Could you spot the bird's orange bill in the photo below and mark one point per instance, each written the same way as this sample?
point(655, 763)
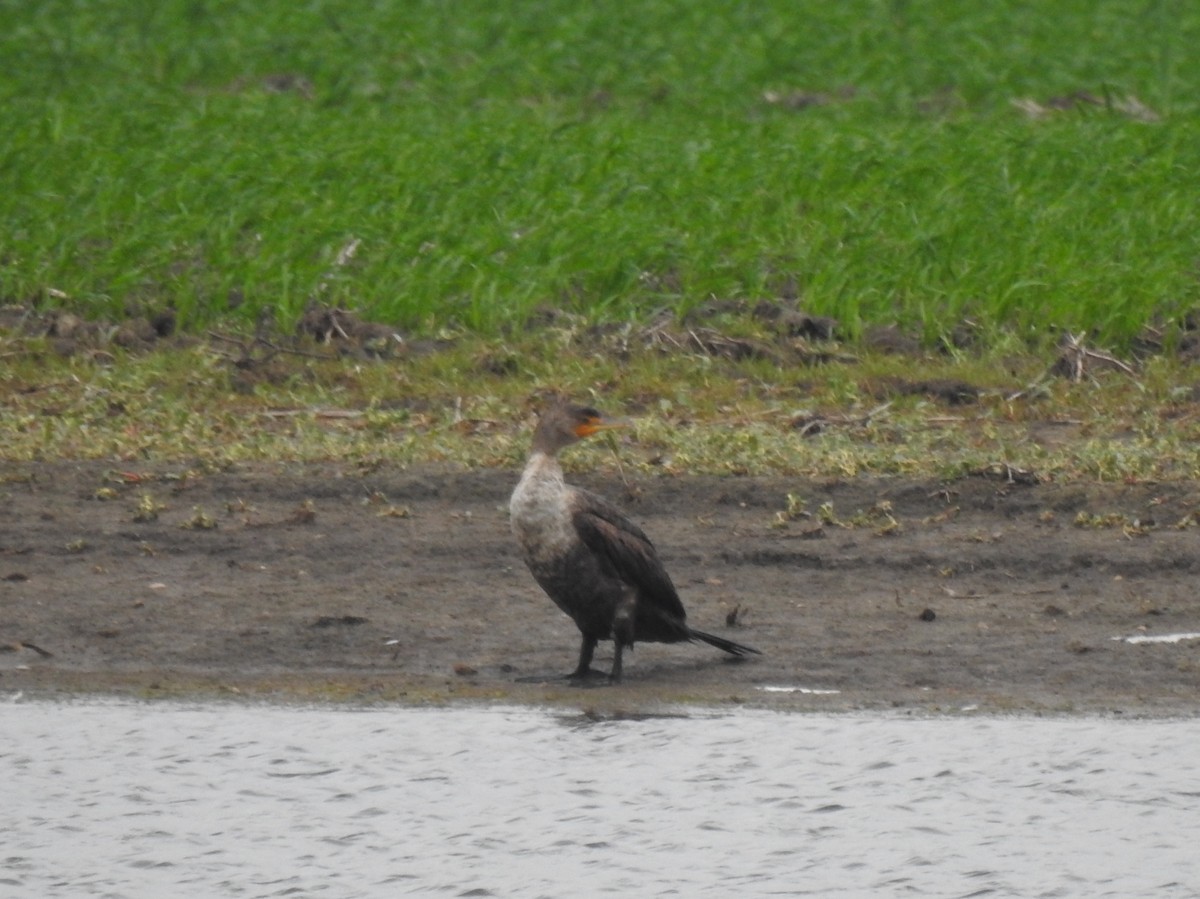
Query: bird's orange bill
point(592, 425)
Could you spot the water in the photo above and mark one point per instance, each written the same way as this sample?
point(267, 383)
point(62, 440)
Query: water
point(127, 800)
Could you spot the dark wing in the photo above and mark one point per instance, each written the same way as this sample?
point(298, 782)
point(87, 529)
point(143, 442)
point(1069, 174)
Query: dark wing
point(627, 551)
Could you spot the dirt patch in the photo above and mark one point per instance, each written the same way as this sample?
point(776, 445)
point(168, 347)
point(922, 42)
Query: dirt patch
point(318, 582)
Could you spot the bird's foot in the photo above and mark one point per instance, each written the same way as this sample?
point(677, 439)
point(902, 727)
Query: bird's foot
point(589, 677)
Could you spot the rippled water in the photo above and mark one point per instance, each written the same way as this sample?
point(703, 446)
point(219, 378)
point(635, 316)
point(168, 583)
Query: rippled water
point(129, 800)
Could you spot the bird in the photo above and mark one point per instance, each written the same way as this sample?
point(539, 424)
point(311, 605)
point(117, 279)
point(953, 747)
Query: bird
point(594, 563)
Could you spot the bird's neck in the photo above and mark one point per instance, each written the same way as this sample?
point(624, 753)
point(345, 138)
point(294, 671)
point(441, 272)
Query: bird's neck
point(538, 505)
point(543, 468)
point(541, 485)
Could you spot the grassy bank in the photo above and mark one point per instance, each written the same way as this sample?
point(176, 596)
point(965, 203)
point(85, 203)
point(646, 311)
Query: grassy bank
point(207, 405)
point(1027, 165)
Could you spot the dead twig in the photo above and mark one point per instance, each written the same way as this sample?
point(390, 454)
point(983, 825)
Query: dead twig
point(1010, 474)
point(336, 414)
point(1076, 358)
point(1075, 361)
point(247, 358)
point(807, 425)
point(25, 644)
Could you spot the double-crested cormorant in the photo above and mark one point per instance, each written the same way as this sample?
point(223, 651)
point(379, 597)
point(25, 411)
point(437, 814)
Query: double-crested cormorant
point(596, 564)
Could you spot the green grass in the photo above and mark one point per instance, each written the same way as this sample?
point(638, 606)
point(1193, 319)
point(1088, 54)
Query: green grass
point(607, 159)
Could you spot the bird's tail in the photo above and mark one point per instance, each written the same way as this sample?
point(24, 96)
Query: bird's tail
point(729, 646)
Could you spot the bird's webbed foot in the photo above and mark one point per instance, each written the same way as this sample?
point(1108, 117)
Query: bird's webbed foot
point(587, 678)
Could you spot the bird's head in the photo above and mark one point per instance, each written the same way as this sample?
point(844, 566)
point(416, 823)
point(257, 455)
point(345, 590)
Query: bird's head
point(568, 423)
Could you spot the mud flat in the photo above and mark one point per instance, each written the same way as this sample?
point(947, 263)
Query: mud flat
point(320, 582)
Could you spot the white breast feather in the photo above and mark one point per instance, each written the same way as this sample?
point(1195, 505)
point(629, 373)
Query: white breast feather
point(539, 510)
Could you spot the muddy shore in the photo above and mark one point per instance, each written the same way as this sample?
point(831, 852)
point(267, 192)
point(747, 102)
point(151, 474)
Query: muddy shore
point(322, 583)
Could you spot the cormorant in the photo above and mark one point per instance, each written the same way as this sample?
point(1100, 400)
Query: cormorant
point(596, 564)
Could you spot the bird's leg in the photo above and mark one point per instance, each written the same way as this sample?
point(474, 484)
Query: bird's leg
point(615, 676)
point(622, 634)
point(584, 668)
